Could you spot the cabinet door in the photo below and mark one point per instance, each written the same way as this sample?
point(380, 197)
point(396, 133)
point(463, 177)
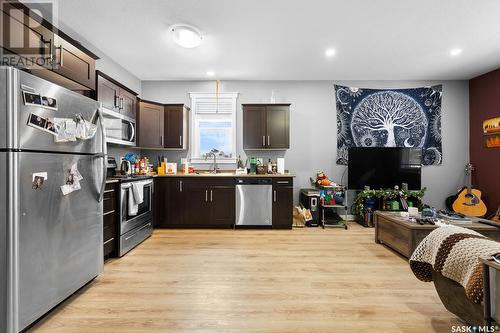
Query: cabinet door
point(128, 103)
point(198, 200)
point(254, 127)
point(175, 206)
point(108, 94)
point(277, 127)
point(23, 35)
point(150, 125)
point(222, 206)
point(174, 127)
point(282, 207)
point(160, 201)
point(73, 63)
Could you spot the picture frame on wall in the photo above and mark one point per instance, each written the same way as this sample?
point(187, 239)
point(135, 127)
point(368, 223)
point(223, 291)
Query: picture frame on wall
point(491, 133)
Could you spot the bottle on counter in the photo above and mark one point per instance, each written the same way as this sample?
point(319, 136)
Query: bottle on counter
point(269, 167)
point(274, 167)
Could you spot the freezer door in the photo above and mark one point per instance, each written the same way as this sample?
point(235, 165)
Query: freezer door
point(60, 240)
point(3, 108)
point(69, 103)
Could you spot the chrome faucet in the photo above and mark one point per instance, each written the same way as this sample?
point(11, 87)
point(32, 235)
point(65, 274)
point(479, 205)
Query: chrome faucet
point(213, 152)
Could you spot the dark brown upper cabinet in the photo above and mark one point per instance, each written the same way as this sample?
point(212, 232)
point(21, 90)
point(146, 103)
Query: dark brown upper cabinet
point(176, 126)
point(116, 97)
point(57, 57)
point(73, 63)
point(266, 126)
point(23, 34)
point(151, 125)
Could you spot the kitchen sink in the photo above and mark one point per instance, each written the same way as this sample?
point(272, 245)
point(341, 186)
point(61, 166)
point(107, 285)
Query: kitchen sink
point(219, 173)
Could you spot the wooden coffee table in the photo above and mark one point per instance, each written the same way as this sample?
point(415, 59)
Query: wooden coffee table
point(403, 236)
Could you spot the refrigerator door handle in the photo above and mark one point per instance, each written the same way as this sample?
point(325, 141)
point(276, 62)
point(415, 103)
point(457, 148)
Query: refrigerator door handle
point(104, 153)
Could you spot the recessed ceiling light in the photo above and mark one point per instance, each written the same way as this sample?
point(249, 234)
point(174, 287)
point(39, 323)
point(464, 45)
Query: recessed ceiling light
point(186, 36)
point(210, 73)
point(330, 53)
point(455, 52)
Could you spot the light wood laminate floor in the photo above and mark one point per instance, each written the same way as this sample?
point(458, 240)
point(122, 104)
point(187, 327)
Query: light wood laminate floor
point(301, 280)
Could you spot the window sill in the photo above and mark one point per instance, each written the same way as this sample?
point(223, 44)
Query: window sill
point(211, 161)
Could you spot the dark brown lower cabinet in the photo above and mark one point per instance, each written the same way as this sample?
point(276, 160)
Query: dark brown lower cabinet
point(109, 221)
point(197, 210)
point(222, 206)
point(282, 203)
point(182, 202)
point(194, 203)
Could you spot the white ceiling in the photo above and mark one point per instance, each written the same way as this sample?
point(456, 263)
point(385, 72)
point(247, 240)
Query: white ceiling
point(287, 39)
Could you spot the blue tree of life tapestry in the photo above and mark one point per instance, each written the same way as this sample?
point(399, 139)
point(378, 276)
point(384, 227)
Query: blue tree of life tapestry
point(390, 118)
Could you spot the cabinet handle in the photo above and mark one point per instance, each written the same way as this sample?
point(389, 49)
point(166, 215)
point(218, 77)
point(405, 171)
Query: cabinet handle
point(180, 140)
point(117, 101)
point(180, 185)
point(268, 140)
point(274, 195)
point(61, 56)
point(263, 141)
point(282, 182)
point(211, 196)
point(121, 103)
point(161, 140)
point(206, 195)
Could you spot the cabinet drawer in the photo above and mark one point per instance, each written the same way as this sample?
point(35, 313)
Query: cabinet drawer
point(109, 247)
point(108, 232)
point(109, 219)
point(283, 181)
point(108, 203)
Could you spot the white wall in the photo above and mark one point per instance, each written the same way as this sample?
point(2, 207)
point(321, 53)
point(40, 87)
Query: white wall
point(313, 128)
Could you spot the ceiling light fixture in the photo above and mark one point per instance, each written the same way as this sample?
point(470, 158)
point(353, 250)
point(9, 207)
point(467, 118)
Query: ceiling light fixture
point(330, 52)
point(455, 52)
point(210, 73)
point(186, 36)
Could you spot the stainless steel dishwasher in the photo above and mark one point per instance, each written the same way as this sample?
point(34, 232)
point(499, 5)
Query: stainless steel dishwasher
point(254, 202)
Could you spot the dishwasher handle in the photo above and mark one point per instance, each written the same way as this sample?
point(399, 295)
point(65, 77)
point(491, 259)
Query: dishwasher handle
point(253, 181)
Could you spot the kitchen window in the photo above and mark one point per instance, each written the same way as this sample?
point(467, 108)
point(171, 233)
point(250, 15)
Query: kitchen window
point(213, 126)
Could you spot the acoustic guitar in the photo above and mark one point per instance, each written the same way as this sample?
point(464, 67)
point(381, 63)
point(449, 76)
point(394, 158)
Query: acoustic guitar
point(468, 200)
point(496, 216)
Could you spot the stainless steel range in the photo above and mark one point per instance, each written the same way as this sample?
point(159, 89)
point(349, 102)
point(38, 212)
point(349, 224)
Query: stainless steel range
point(136, 223)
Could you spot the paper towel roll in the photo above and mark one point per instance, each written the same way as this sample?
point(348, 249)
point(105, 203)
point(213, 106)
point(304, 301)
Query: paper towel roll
point(280, 163)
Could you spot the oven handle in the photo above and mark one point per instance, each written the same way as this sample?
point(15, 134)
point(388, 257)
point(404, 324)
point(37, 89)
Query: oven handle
point(129, 185)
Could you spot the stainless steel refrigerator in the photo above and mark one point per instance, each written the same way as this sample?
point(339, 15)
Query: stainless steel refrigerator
point(50, 242)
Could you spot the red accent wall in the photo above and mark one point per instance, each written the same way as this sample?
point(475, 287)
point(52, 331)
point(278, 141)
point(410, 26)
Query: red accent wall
point(484, 102)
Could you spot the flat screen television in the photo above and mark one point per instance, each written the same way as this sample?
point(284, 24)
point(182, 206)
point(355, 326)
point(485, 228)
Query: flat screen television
point(384, 168)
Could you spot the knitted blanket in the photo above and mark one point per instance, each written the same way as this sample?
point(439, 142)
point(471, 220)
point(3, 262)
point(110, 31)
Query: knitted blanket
point(454, 252)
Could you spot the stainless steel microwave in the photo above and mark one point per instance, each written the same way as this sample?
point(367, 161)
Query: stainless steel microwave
point(120, 129)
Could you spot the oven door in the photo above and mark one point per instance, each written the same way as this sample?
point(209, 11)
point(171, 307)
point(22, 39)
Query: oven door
point(145, 209)
point(120, 129)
